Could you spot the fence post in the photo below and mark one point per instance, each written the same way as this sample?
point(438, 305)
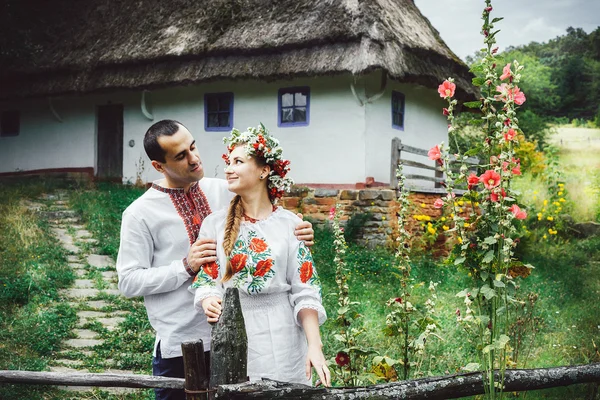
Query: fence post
point(229, 346)
point(396, 143)
point(194, 367)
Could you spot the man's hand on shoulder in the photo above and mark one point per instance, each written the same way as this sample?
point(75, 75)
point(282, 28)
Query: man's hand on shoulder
point(203, 251)
point(304, 232)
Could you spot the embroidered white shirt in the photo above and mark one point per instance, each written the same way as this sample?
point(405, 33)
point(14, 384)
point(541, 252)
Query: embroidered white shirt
point(156, 233)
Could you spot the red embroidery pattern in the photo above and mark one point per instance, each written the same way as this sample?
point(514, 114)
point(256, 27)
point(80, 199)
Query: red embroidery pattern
point(192, 207)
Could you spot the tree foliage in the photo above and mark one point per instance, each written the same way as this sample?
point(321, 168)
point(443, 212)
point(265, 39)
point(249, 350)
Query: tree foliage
point(561, 78)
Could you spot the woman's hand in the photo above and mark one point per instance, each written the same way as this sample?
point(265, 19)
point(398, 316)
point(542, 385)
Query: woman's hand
point(316, 359)
point(212, 308)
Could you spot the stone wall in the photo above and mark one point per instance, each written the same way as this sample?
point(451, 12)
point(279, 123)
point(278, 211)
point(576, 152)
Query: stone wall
point(380, 229)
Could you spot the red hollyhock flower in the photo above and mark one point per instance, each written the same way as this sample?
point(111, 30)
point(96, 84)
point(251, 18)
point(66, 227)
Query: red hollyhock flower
point(490, 179)
point(342, 359)
point(445, 111)
point(263, 267)
point(494, 197)
point(510, 135)
point(238, 262)
point(258, 245)
point(211, 269)
point(472, 180)
point(306, 271)
point(446, 89)
point(517, 212)
point(398, 300)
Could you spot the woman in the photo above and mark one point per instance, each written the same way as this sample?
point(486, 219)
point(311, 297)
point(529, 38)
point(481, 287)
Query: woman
point(258, 253)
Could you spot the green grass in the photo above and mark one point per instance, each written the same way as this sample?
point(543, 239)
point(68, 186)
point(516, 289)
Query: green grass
point(101, 210)
point(33, 267)
point(579, 149)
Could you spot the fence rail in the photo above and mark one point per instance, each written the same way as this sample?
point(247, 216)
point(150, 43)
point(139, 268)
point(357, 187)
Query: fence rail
point(398, 148)
point(441, 387)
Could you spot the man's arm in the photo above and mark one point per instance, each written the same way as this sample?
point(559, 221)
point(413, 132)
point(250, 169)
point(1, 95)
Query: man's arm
point(136, 277)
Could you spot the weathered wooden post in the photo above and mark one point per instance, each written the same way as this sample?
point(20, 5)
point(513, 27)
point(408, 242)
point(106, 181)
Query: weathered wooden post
point(194, 367)
point(229, 347)
point(396, 149)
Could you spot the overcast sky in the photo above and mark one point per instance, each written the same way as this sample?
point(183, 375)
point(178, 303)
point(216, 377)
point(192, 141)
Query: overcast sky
point(459, 21)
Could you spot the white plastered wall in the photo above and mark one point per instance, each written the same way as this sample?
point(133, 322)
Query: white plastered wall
point(343, 143)
point(424, 127)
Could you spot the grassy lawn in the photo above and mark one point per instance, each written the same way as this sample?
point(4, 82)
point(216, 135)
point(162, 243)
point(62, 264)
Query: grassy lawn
point(579, 149)
point(33, 267)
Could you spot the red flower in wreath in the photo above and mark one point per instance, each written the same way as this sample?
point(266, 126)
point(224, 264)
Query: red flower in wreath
point(258, 245)
point(238, 262)
point(211, 269)
point(306, 271)
point(342, 359)
point(263, 267)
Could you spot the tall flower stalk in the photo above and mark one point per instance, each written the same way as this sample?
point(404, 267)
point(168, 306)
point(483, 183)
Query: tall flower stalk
point(349, 365)
point(487, 234)
point(412, 326)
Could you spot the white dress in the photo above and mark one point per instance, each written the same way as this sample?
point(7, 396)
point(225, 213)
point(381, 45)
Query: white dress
point(276, 278)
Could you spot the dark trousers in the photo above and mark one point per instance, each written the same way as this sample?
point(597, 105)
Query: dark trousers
point(172, 367)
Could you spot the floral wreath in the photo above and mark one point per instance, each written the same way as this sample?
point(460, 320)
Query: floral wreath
point(259, 143)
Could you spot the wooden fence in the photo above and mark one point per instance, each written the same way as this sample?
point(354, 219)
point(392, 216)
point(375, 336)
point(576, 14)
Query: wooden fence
point(398, 151)
point(228, 374)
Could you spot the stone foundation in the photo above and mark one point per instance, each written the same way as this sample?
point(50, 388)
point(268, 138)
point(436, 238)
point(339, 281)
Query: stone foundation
point(380, 228)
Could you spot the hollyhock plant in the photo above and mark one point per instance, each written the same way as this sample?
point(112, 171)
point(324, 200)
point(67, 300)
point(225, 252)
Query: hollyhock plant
point(486, 251)
point(349, 365)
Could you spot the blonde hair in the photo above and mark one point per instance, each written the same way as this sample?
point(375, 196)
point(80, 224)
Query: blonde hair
point(232, 229)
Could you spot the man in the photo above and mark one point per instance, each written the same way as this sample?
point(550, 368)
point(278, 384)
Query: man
point(159, 255)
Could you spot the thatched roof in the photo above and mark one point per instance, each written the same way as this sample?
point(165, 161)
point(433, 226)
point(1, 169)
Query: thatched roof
point(72, 47)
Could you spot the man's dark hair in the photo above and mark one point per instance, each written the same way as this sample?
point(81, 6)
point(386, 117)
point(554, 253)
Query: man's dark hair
point(166, 127)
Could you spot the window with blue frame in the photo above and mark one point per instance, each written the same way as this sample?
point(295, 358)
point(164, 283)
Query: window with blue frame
point(294, 106)
point(10, 123)
point(218, 111)
point(397, 110)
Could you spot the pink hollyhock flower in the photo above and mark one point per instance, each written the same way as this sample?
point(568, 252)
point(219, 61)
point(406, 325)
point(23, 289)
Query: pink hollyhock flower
point(332, 213)
point(490, 179)
point(439, 203)
point(518, 96)
point(517, 212)
point(494, 196)
point(445, 111)
point(472, 181)
point(506, 72)
point(446, 89)
point(488, 9)
point(434, 153)
point(510, 135)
